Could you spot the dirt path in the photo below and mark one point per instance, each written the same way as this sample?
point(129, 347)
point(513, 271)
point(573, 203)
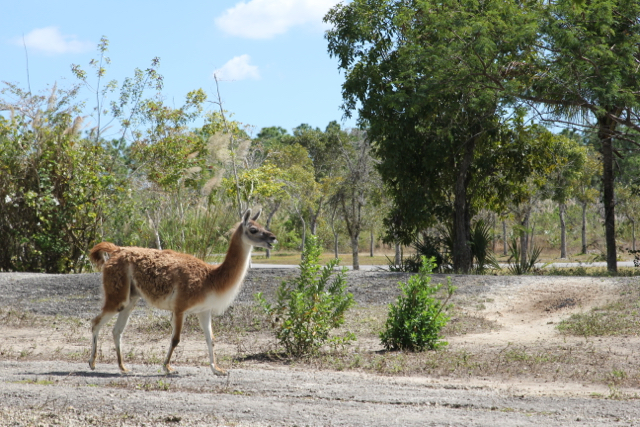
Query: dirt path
point(40, 387)
point(268, 396)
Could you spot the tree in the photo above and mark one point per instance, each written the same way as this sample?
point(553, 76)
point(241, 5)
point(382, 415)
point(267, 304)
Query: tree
point(298, 184)
point(585, 188)
point(54, 188)
point(629, 205)
point(569, 158)
point(264, 185)
point(359, 182)
point(430, 80)
point(166, 149)
point(323, 149)
point(587, 73)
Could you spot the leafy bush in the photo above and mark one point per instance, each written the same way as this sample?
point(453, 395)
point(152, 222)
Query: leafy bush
point(520, 264)
point(416, 319)
point(440, 248)
point(54, 190)
point(426, 246)
point(481, 237)
point(309, 307)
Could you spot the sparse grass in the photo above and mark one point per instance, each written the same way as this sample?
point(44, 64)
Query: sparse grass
point(36, 382)
point(576, 362)
point(621, 317)
point(566, 363)
point(17, 317)
point(237, 319)
point(584, 271)
point(462, 323)
point(244, 326)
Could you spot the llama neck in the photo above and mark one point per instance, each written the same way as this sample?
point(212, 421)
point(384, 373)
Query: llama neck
point(236, 262)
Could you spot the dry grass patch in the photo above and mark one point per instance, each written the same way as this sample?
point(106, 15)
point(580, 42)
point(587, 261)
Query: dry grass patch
point(619, 318)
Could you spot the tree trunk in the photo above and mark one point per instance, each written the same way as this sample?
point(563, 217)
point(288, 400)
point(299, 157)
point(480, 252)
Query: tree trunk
point(398, 255)
point(371, 244)
point(633, 235)
point(584, 228)
point(532, 237)
point(462, 257)
point(524, 236)
point(304, 233)
point(313, 226)
point(494, 237)
point(332, 222)
point(563, 231)
point(156, 231)
point(504, 238)
point(354, 249)
point(605, 135)
point(353, 221)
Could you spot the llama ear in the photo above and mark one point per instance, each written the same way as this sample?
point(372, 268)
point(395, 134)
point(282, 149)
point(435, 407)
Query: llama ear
point(245, 216)
point(256, 216)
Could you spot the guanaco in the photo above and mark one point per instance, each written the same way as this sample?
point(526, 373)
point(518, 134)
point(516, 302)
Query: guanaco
point(173, 281)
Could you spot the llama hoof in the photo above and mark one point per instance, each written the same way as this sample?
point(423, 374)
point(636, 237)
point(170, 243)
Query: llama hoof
point(92, 365)
point(169, 370)
point(218, 371)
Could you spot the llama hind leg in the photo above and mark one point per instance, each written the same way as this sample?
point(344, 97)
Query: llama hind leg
point(97, 323)
point(177, 320)
point(205, 324)
point(118, 328)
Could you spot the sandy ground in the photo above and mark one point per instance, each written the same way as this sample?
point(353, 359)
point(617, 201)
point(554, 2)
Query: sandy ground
point(39, 388)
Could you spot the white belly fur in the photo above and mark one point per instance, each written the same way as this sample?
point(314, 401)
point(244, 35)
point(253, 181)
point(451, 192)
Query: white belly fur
point(214, 301)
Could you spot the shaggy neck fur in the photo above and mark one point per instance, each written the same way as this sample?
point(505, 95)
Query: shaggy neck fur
point(231, 272)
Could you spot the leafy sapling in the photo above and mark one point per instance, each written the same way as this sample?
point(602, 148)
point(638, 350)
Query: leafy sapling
point(308, 307)
point(416, 319)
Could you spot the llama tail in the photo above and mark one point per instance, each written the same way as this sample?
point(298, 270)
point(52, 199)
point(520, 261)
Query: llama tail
point(101, 253)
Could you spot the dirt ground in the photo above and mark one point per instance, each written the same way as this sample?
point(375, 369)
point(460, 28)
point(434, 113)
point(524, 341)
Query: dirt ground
point(524, 372)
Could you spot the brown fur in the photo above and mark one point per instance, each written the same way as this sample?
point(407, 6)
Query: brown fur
point(172, 280)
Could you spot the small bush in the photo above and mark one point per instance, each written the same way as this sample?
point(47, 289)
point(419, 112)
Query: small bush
point(416, 319)
point(309, 307)
point(520, 264)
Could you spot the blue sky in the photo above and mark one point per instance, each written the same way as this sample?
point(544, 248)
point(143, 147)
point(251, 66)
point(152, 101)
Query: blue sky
point(270, 55)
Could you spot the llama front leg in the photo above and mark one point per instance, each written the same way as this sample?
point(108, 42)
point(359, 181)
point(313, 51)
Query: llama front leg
point(205, 324)
point(177, 320)
point(118, 328)
point(97, 323)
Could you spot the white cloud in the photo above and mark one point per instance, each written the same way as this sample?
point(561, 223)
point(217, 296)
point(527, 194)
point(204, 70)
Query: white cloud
point(238, 68)
point(263, 19)
point(49, 40)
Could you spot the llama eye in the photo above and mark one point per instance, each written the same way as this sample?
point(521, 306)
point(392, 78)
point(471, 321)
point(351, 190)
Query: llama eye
point(253, 230)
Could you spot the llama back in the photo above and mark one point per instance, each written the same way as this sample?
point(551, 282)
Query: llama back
point(155, 273)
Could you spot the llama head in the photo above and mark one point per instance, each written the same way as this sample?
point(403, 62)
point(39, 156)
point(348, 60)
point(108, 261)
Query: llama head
point(253, 233)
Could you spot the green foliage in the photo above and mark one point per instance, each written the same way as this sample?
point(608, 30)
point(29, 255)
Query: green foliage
point(433, 87)
point(416, 319)
point(427, 246)
point(438, 247)
point(588, 73)
point(310, 306)
point(168, 153)
point(54, 190)
point(481, 239)
point(262, 182)
point(517, 263)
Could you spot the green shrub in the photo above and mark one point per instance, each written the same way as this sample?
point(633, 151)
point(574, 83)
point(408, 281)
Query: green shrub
point(522, 265)
point(308, 307)
point(416, 319)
